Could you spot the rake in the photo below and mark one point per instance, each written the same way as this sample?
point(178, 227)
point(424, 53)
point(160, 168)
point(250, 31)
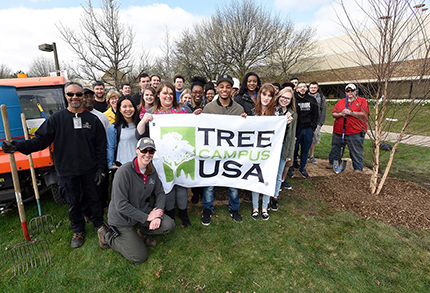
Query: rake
point(31, 253)
point(43, 223)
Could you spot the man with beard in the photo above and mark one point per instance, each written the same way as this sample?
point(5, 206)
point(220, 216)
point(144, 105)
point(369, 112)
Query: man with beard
point(79, 155)
point(307, 121)
point(99, 96)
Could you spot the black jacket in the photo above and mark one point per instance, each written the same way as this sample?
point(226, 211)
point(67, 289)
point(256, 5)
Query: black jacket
point(76, 151)
point(307, 112)
point(246, 102)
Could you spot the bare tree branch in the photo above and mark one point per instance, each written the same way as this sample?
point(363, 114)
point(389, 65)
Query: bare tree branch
point(241, 37)
point(392, 41)
point(41, 66)
point(103, 44)
point(5, 71)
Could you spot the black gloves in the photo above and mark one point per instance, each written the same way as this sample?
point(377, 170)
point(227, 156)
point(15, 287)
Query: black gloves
point(9, 146)
point(100, 177)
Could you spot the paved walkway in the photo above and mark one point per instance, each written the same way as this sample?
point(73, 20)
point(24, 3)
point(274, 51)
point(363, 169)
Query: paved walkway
point(418, 140)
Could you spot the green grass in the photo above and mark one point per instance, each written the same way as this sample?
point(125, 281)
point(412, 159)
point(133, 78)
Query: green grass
point(305, 246)
point(419, 125)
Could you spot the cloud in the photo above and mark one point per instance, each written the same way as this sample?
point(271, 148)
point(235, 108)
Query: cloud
point(294, 5)
point(28, 28)
point(39, 1)
point(330, 19)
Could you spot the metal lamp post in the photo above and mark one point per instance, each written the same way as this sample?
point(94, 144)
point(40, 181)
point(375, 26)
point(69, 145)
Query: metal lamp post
point(51, 48)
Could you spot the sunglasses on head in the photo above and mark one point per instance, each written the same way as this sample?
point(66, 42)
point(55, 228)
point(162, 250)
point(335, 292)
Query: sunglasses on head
point(70, 95)
point(150, 151)
point(349, 91)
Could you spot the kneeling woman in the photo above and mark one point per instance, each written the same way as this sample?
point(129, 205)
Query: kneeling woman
point(137, 200)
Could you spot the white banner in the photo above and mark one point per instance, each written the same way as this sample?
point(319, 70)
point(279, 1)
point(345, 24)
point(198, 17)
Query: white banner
point(218, 150)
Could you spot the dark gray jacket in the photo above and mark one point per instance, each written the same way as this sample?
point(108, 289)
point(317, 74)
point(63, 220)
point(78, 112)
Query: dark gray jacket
point(132, 200)
point(322, 107)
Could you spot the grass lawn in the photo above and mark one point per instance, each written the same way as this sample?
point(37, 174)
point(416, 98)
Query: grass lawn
point(419, 124)
point(305, 247)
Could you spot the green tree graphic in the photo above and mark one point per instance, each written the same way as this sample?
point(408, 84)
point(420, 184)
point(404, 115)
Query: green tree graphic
point(178, 151)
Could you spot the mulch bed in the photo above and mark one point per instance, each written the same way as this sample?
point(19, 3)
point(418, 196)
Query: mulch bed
point(400, 202)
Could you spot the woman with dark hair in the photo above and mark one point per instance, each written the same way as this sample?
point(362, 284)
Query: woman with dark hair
point(164, 104)
point(167, 104)
point(196, 105)
point(197, 88)
point(277, 87)
point(249, 88)
point(148, 97)
point(209, 94)
point(264, 106)
point(121, 139)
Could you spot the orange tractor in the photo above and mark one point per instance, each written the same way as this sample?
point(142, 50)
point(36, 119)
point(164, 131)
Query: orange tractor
point(39, 98)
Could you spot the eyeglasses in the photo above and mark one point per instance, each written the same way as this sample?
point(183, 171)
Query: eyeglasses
point(150, 151)
point(349, 91)
point(301, 86)
point(70, 95)
point(285, 98)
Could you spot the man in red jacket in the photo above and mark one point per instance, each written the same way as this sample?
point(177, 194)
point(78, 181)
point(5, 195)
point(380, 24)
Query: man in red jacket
point(355, 110)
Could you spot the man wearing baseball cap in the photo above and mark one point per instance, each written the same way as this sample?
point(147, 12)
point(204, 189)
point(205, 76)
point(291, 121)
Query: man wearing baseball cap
point(137, 200)
point(353, 110)
point(224, 105)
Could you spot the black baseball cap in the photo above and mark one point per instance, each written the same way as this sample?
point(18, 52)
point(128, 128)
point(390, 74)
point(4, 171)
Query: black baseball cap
point(87, 90)
point(225, 77)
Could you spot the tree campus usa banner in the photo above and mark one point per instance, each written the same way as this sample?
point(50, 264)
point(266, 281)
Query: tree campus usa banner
point(218, 150)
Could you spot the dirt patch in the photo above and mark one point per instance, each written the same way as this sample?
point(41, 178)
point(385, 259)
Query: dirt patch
point(400, 202)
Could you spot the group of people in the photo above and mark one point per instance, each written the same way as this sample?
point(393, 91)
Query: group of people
point(101, 133)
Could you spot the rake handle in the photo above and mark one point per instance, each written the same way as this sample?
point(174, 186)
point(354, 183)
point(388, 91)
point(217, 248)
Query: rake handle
point(32, 171)
point(15, 177)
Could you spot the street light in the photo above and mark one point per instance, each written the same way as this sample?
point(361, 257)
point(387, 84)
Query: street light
point(50, 48)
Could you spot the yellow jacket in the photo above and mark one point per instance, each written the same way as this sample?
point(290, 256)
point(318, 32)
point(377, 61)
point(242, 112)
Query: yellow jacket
point(110, 114)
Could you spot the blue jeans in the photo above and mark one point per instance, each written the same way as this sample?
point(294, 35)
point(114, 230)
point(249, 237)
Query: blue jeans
point(355, 146)
point(279, 177)
point(233, 199)
point(304, 140)
point(255, 200)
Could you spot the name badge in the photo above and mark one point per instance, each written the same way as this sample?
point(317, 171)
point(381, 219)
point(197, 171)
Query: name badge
point(77, 122)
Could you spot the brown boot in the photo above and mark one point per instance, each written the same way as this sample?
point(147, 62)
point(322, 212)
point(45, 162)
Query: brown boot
point(101, 232)
point(147, 239)
point(77, 240)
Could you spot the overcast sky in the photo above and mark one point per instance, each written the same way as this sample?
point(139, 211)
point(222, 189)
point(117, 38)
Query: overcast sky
point(27, 24)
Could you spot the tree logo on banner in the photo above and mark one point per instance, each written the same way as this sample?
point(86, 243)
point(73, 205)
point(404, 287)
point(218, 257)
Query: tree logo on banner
point(178, 145)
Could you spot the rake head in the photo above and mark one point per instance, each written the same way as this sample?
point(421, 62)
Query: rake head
point(30, 255)
point(43, 223)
